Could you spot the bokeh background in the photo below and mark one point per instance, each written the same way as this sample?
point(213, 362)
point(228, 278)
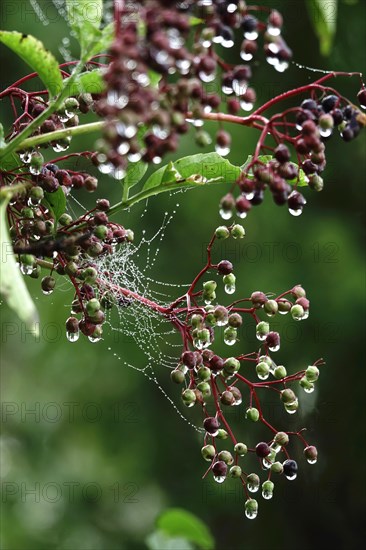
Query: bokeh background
point(91, 450)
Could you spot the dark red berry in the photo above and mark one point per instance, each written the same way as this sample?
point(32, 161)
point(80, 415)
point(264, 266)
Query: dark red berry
point(262, 450)
point(225, 267)
point(211, 424)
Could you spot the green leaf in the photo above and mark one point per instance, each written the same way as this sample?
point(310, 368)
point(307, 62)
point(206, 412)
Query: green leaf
point(323, 14)
point(12, 285)
point(91, 82)
point(33, 52)
point(135, 171)
point(103, 39)
point(201, 169)
point(177, 522)
point(56, 202)
point(154, 78)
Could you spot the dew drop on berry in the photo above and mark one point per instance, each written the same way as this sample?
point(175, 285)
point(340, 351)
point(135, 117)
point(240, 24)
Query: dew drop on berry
point(72, 336)
point(281, 66)
point(227, 90)
point(134, 157)
point(325, 132)
point(47, 292)
point(226, 214)
point(274, 348)
point(118, 173)
point(246, 56)
point(246, 106)
point(26, 269)
point(273, 31)
point(242, 215)
point(222, 151)
point(25, 157)
point(251, 514)
point(267, 495)
point(296, 212)
point(251, 35)
point(229, 289)
point(106, 168)
point(219, 479)
point(252, 487)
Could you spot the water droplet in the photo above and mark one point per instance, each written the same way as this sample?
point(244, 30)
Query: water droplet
point(281, 66)
point(157, 160)
point(106, 168)
point(183, 65)
point(223, 151)
point(226, 214)
point(267, 495)
point(227, 90)
point(229, 289)
point(47, 292)
point(64, 117)
point(94, 339)
point(273, 31)
point(263, 376)
point(246, 56)
point(206, 77)
point(26, 269)
point(251, 35)
point(266, 463)
point(246, 106)
point(239, 87)
point(309, 389)
point(134, 157)
point(274, 348)
point(72, 336)
point(227, 43)
point(160, 132)
point(251, 514)
point(219, 479)
point(123, 148)
point(33, 203)
point(325, 133)
point(312, 460)
point(119, 173)
point(291, 477)
point(253, 488)
point(242, 215)
point(35, 170)
point(60, 147)
point(296, 212)
point(25, 157)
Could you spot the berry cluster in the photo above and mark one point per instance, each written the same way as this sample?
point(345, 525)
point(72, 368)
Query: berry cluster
point(216, 382)
point(299, 133)
point(155, 82)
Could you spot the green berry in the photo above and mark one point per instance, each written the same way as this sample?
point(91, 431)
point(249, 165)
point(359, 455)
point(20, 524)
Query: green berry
point(177, 376)
point(241, 449)
point(65, 219)
point(209, 286)
point(262, 370)
point(271, 307)
point(237, 231)
point(312, 373)
point(189, 398)
point(235, 471)
point(297, 312)
point(281, 438)
point(280, 372)
point(208, 452)
point(277, 467)
point(231, 365)
point(204, 373)
point(252, 414)
point(226, 457)
point(222, 434)
point(288, 396)
point(222, 232)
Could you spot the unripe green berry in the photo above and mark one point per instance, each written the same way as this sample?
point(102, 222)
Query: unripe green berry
point(205, 388)
point(235, 320)
point(101, 232)
point(27, 213)
point(284, 307)
point(27, 259)
point(277, 467)
point(48, 284)
point(316, 182)
point(262, 370)
point(230, 335)
point(203, 138)
point(209, 286)
point(229, 279)
point(71, 269)
point(36, 161)
point(253, 481)
point(227, 398)
point(177, 376)
point(196, 320)
point(312, 373)
point(65, 219)
point(36, 193)
point(235, 471)
point(297, 312)
point(298, 292)
point(280, 372)
point(222, 232)
point(237, 231)
point(208, 452)
point(231, 365)
point(226, 457)
point(241, 449)
point(281, 438)
point(252, 414)
point(262, 329)
point(271, 307)
point(288, 396)
point(251, 508)
point(189, 398)
point(204, 373)
point(90, 275)
point(92, 306)
point(306, 384)
point(292, 407)
point(222, 434)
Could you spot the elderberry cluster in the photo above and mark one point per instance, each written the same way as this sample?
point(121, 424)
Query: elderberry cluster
point(216, 383)
point(155, 83)
point(315, 121)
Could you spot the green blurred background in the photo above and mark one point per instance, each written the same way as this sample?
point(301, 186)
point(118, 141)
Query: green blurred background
point(103, 450)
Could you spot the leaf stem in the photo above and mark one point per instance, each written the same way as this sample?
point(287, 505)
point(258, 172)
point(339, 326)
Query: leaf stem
point(60, 134)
